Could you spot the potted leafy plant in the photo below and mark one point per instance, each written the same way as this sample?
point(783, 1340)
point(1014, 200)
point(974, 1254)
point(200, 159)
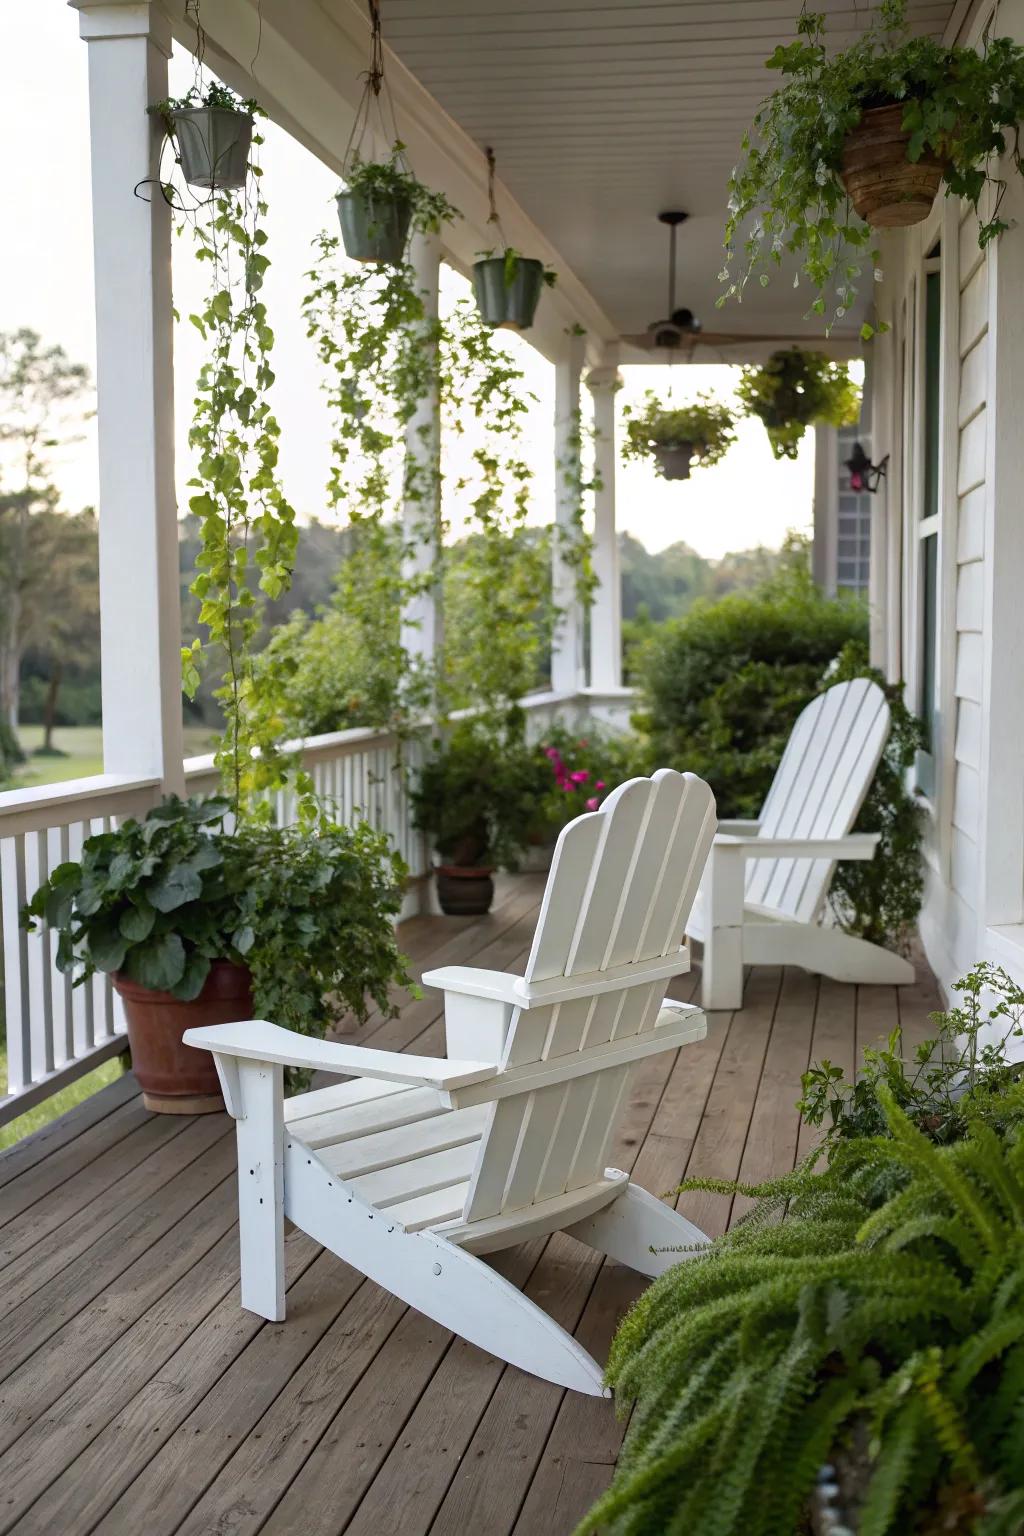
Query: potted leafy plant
point(794, 389)
point(212, 133)
point(861, 140)
point(200, 925)
point(675, 436)
point(508, 287)
point(476, 798)
point(381, 203)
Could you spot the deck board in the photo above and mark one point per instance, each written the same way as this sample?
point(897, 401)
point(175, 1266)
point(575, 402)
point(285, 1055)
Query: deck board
point(136, 1395)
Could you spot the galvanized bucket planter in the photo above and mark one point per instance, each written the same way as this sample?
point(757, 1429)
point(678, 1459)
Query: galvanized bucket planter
point(374, 228)
point(674, 460)
point(213, 146)
point(508, 303)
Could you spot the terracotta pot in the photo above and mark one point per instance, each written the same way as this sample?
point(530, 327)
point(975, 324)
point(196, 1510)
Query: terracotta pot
point(177, 1079)
point(888, 190)
point(464, 892)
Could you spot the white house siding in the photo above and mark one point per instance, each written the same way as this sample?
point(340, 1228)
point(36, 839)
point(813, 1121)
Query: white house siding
point(950, 919)
point(974, 888)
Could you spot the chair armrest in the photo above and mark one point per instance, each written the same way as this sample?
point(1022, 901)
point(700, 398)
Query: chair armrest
point(739, 828)
point(259, 1040)
point(855, 845)
point(469, 981)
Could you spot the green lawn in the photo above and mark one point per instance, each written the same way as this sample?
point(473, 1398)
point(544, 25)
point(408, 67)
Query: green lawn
point(60, 1102)
point(83, 745)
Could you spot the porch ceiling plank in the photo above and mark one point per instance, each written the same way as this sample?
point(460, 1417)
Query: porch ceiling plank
point(310, 56)
point(143, 1397)
point(602, 115)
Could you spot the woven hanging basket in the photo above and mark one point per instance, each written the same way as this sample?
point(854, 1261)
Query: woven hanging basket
point(888, 190)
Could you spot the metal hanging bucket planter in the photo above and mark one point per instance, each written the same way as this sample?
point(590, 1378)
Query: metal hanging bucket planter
point(507, 293)
point(213, 146)
point(674, 460)
point(374, 228)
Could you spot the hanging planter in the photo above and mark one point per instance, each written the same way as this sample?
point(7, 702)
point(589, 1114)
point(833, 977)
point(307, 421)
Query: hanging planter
point(375, 225)
point(212, 135)
point(676, 438)
point(862, 139)
point(507, 286)
point(508, 289)
point(795, 389)
point(888, 189)
point(381, 204)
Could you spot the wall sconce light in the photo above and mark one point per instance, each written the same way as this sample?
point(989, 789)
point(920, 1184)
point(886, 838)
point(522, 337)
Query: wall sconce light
point(864, 476)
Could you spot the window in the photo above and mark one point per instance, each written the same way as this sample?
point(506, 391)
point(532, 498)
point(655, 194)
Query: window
point(928, 517)
point(853, 546)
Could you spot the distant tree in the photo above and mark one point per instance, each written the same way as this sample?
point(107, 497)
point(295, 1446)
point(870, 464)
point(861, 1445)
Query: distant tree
point(61, 628)
point(41, 403)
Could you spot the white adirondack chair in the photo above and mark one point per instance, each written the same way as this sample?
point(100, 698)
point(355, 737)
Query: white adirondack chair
point(419, 1165)
point(766, 883)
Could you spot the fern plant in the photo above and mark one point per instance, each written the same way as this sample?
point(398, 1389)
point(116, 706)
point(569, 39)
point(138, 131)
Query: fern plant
point(886, 1311)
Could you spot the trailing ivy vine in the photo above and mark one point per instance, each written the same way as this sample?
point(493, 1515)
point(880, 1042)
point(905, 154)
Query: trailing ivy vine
point(247, 525)
point(383, 358)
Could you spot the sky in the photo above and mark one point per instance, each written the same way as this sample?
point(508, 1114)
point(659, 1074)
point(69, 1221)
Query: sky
point(46, 282)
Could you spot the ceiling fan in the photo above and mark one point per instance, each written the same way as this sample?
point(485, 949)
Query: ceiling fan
point(681, 331)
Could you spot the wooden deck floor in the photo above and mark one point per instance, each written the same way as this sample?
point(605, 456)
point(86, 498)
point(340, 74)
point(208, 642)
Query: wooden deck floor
point(136, 1396)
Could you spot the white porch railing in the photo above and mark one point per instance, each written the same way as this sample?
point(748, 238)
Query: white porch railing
point(55, 1032)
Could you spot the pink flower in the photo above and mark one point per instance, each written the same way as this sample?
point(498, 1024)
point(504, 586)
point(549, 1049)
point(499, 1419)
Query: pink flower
point(593, 803)
point(580, 776)
point(599, 784)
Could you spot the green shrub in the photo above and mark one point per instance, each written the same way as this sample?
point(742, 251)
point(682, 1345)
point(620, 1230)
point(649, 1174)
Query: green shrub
point(575, 770)
point(880, 1327)
point(961, 1076)
point(721, 688)
point(476, 795)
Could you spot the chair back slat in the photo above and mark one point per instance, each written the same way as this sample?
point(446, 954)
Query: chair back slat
point(818, 790)
point(621, 885)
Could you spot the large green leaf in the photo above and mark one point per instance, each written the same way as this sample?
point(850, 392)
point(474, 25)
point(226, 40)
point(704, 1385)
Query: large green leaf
point(159, 963)
point(137, 921)
point(197, 968)
point(180, 884)
point(107, 948)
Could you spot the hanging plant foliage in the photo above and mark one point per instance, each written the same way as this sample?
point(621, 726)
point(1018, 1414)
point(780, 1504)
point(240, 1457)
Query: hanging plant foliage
point(507, 285)
point(383, 358)
point(212, 132)
point(382, 203)
point(795, 389)
point(679, 437)
point(862, 140)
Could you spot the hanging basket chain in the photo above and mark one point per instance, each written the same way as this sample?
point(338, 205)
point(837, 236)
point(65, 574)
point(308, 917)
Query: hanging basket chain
point(376, 96)
point(493, 216)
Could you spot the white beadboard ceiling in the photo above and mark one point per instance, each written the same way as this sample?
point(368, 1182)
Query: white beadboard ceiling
point(602, 114)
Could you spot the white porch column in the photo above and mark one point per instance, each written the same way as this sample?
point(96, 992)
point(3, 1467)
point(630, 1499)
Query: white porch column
point(606, 611)
point(140, 624)
point(422, 616)
point(567, 648)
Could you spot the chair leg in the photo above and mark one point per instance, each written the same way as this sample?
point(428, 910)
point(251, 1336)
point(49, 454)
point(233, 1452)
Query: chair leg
point(423, 1269)
point(721, 985)
point(260, 1135)
point(641, 1231)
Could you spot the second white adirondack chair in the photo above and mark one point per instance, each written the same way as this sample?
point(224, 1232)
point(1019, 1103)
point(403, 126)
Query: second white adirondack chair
point(767, 881)
point(419, 1165)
